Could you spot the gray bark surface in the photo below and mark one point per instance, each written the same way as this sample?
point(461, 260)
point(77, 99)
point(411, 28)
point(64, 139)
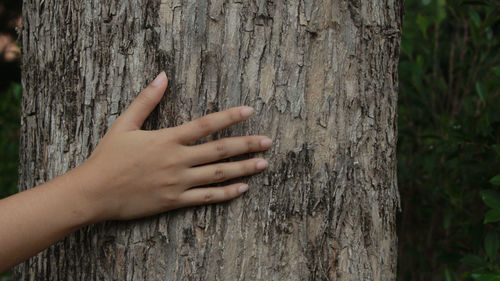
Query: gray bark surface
point(322, 77)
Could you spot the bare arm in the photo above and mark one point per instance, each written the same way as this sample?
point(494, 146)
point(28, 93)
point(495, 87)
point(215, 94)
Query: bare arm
point(132, 173)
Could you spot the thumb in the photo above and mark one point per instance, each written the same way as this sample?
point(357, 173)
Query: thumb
point(144, 103)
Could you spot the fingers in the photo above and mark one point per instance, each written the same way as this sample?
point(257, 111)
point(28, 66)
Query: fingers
point(144, 103)
point(211, 123)
point(224, 171)
point(208, 195)
point(227, 147)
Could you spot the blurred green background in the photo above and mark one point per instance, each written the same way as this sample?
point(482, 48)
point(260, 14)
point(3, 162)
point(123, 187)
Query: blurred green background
point(449, 141)
point(449, 138)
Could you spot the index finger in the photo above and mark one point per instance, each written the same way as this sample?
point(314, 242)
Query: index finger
point(211, 123)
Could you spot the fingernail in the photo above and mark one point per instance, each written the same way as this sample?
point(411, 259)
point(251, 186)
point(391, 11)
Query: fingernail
point(265, 143)
point(261, 165)
point(246, 111)
point(159, 79)
point(243, 188)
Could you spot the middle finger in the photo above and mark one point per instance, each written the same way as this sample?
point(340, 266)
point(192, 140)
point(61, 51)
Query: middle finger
point(226, 147)
point(220, 172)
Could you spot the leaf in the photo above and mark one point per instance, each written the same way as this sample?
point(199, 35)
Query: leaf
point(475, 18)
point(491, 244)
point(480, 91)
point(495, 180)
point(492, 215)
point(491, 198)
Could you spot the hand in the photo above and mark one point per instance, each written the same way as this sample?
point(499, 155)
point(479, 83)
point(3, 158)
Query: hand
point(134, 173)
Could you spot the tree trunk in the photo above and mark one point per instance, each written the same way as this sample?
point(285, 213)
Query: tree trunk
point(322, 77)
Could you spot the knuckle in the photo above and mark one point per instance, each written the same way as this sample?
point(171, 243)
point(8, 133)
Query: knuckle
point(221, 149)
point(250, 144)
point(167, 136)
point(203, 124)
point(171, 181)
point(219, 174)
point(144, 99)
point(176, 159)
point(168, 164)
point(169, 198)
point(208, 197)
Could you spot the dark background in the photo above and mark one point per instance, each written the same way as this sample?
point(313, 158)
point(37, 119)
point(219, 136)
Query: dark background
point(449, 137)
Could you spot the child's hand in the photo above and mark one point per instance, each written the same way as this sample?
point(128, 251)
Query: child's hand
point(135, 173)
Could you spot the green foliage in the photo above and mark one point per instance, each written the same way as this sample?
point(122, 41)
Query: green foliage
point(495, 180)
point(449, 141)
point(492, 199)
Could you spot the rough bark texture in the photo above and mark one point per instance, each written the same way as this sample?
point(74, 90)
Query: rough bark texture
point(322, 76)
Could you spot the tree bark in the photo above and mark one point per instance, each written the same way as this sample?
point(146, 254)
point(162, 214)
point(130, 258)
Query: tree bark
point(322, 77)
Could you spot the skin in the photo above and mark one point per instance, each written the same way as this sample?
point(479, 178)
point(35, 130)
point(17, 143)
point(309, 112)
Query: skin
point(131, 174)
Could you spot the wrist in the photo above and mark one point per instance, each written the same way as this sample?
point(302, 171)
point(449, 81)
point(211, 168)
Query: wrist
point(82, 186)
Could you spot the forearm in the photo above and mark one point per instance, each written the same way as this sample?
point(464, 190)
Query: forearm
point(37, 218)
